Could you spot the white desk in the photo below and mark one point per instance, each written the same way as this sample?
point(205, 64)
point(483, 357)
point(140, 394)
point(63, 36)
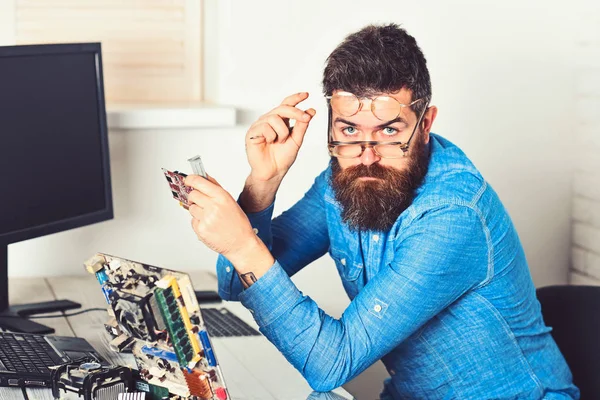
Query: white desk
point(84, 289)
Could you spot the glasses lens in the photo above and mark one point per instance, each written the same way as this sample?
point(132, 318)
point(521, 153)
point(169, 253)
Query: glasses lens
point(386, 108)
point(389, 150)
point(346, 150)
point(345, 104)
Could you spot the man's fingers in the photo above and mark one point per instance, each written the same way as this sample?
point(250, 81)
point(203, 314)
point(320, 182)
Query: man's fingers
point(206, 187)
point(196, 212)
point(294, 99)
point(288, 112)
point(300, 128)
point(280, 127)
point(274, 126)
point(199, 198)
point(263, 130)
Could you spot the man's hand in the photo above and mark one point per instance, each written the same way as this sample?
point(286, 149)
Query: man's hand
point(220, 223)
point(271, 146)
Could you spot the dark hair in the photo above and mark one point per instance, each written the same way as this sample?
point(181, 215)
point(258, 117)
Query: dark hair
point(378, 59)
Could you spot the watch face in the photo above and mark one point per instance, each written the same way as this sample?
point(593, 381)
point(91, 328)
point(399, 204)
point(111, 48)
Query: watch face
point(247, 279)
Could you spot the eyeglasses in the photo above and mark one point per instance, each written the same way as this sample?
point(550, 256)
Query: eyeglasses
point(385, 108)
point(383, 149)
point(355, 149)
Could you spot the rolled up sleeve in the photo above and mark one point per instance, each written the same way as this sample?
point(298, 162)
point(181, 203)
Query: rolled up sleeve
point(271, 296)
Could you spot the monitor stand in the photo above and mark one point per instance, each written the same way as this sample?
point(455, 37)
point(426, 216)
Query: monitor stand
point(14, 318)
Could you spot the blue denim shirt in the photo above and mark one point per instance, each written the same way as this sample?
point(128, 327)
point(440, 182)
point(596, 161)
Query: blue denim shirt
point(445, 298)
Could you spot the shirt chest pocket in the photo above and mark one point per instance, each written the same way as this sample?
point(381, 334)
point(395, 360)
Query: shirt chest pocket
point(348, 266)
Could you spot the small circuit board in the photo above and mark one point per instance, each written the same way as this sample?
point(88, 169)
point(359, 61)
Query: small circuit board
point(155, 315)
point(179, 190)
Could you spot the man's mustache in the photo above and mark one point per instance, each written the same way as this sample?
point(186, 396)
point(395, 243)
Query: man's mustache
point(368, 171)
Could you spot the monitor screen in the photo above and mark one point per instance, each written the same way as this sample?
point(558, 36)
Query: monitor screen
point(54, 171)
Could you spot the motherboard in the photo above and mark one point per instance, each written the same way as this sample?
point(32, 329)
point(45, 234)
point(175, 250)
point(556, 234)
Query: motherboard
point(155, 315)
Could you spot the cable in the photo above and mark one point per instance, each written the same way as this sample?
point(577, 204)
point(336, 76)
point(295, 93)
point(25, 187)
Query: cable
point(67, 315)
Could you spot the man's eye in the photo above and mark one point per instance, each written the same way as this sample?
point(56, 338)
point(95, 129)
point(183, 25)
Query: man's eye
point(389, 131)
point(349, 130)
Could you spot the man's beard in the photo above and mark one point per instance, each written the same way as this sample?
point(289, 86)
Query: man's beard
point(376, 204)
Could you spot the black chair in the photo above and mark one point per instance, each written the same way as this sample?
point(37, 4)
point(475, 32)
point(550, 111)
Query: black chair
point(573, 312)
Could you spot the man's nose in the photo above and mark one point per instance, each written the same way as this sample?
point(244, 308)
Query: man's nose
point(369, 157)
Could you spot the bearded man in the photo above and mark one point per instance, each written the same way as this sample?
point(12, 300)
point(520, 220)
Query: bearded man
point(439, 284)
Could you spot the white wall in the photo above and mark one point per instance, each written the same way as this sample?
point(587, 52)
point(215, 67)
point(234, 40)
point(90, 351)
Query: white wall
point(503, 79)
point(586, 182)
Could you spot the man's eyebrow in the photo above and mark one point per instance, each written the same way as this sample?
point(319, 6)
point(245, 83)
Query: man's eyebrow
point(381, 126)
point(397, 119)
point(344, 121)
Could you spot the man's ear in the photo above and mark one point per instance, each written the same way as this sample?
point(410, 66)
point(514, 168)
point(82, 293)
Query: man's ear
point(427, 122)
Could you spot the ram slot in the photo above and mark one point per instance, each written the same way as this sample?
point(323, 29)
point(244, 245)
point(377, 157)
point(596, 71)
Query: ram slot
point(177, 320)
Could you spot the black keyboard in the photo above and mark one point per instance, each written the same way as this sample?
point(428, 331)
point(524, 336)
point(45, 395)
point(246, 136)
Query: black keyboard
point(220, 322)
point(26, 353)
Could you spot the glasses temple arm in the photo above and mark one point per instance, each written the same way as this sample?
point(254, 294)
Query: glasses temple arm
point(405, 148)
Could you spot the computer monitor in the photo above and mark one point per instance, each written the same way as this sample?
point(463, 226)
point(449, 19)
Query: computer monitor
point(54, 161)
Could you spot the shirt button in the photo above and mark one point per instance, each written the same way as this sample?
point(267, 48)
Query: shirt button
point(343, 261)
point(392, 372)
point(255, 230)
point(377, 308)
point(228, 269)
point(376, 238)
